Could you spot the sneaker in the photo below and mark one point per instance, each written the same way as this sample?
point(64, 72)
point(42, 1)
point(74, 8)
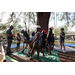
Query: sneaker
point(64, 51)
point(23, 51)
point(31, 58)
point(43, 55)
point(18, 50)
point(4, 60)
point(59, 49)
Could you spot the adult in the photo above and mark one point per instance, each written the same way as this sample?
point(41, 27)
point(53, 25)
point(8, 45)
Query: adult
point(62, 39)
point(49, 39)
point(9, 39)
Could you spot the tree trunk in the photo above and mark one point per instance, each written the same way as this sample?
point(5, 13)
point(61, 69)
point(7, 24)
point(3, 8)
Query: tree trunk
point(43, 19)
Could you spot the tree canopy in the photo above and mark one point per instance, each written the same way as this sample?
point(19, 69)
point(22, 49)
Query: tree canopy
point(15, 18)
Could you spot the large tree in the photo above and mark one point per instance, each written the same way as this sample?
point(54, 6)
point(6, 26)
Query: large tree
point(43, 19)
point(40, 18)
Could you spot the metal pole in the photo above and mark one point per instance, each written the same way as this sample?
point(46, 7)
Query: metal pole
point(56, 19)
point(54, 23)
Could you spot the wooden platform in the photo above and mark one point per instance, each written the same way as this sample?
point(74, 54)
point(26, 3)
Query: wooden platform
point(68, 49)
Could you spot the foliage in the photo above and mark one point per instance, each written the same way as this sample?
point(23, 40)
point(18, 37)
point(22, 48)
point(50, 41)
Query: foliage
point(67, 17)
point(57, 31)
point(16, 18)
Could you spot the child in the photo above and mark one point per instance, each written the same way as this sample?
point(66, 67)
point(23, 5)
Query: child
point(62, 38)
point(18, 41)
point(35, 43)
point(31, 40)
point(49, 38)
point(26, 38)
point(43, 42)
point(53, 41)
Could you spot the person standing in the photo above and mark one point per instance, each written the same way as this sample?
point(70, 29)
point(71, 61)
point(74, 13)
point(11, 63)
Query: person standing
point(53, 40)
point(43, 42)
point(62, 39)
point(31, 40)
point(9, 39)
point(36, 43)
point(49, 39)
point(18, 41)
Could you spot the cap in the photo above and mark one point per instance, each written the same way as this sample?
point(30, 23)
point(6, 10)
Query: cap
point(38, 26)
point(45, 31)
point(52, 28)
point(21, 31)
point(12, 26)
point(17, 32)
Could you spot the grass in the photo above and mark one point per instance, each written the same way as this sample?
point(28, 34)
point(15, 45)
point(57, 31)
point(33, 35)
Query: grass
point(66, 41)
point(56, 42)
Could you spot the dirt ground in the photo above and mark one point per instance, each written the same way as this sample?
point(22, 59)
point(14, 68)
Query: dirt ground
point(64, 57)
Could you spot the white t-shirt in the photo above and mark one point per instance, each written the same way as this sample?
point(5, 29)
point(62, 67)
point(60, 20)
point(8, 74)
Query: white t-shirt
point(32, 38)
point(36, 37)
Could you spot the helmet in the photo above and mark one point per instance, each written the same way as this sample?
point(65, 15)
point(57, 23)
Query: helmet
point(21, 31)
point(52, 28)
point(33, 33)
point(44, 31)
point(38, 27)
point(12, 26)
point(17, 32)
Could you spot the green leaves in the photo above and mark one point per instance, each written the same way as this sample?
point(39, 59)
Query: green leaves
point(2, 27)
point(16, 18)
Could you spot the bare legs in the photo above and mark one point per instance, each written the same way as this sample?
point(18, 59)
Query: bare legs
point(49, 48)
point(25, 47)
point(62, 44)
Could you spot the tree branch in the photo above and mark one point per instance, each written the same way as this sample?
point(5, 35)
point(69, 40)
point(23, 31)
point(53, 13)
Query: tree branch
point(19, 16)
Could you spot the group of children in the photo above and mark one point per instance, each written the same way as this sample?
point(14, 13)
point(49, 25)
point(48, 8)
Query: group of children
point(38, 41)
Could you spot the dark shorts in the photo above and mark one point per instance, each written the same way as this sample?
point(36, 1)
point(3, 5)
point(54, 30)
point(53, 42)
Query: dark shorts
point(49, 40)
point(26, 41)
point(31, 46)
point(36, 46)
point(18, 44)
point(43, 46)
point(62, 40)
